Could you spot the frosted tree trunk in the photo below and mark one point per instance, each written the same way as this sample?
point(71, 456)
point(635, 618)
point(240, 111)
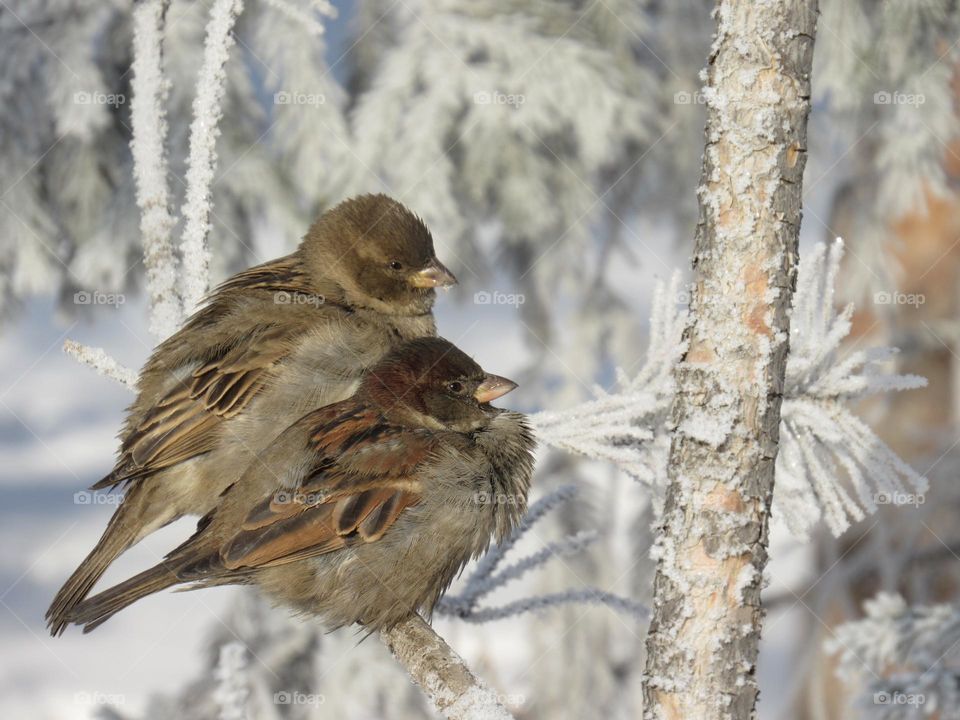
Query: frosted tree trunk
point(712, 547)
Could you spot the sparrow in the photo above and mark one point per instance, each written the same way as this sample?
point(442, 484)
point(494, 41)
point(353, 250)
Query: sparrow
point(382, 499)
point(271, 343)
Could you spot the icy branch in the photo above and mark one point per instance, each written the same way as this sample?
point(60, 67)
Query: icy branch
point(627, 427)
point(822, 442)
point(304, 19)
point(204, 130)
point(486, 578)
point(232, 689)
point(98, 359)
point(906, 657)
point(147, 146)
point(455, 691)
point(831, 465)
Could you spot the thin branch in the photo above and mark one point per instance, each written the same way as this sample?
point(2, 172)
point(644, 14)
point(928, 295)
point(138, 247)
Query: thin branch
point(536, 603)
point(105, 365)
point(456, 692)
point(305, 19)
point(149, 118)
point(487, 576)
point(204, 130)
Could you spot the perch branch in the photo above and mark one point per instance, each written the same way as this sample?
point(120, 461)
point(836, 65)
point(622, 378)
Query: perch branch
point(455, 691)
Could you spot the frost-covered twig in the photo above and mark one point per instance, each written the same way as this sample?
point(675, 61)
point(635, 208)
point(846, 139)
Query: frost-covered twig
point(574, 596)
point(485, 577)
point(456, 692)
point(232, 688)
point(204, 130)
point(822, 442)
point(824, 446)
point(908, 659)
point(98, 359)
point(305, 19)
point(627, 427)
point(148, 147)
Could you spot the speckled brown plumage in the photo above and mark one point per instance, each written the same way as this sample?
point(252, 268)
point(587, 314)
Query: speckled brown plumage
point(382, 505)
point(272, 342)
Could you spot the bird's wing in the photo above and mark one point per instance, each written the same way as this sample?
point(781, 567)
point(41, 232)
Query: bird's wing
point(282, 274)
point(185, 421)
point(363, 476)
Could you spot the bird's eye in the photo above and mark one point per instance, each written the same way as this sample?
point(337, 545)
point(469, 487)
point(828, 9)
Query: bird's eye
point(396, 265)
point(455, 387)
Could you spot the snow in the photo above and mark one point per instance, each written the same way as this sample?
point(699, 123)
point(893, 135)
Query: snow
point(905, 654)
point(824, 447)
point(148, 147)
point(711, 428)
point(62, 419)
point(478, 703)
point(204, 131)
point(98, 359)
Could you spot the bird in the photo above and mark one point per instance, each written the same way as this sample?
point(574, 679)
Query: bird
point(271, 343)
point(382, 500)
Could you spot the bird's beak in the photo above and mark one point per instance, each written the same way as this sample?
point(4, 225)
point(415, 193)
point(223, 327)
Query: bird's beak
point(432, 276)
point(493, 387)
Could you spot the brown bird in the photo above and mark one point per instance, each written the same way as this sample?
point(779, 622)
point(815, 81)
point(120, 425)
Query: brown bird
point(272, 343)
point(381, 499)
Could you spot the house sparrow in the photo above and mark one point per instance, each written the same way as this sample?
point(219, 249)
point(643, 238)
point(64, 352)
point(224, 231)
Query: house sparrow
point(381, 500)
point(273, 342)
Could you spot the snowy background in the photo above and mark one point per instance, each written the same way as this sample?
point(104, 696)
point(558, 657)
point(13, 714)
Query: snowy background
point(553, 148)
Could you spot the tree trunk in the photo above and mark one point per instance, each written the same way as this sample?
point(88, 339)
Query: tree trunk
point(712, 548)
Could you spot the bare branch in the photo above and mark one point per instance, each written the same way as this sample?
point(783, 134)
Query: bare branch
point(456, 692)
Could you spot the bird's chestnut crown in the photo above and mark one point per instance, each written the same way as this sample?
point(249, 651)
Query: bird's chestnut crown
point(380, 253)
point(432, 380)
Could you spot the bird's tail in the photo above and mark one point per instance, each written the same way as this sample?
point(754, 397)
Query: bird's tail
point(101, 607)
point(112, 543)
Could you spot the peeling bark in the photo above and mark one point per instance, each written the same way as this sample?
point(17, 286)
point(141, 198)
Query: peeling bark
point(703, 640)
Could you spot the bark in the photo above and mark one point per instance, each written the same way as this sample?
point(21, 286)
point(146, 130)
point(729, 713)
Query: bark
point(441, 673)
point(712, 547)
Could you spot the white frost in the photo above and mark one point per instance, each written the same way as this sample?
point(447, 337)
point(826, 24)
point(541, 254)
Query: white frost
point(204, 130)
